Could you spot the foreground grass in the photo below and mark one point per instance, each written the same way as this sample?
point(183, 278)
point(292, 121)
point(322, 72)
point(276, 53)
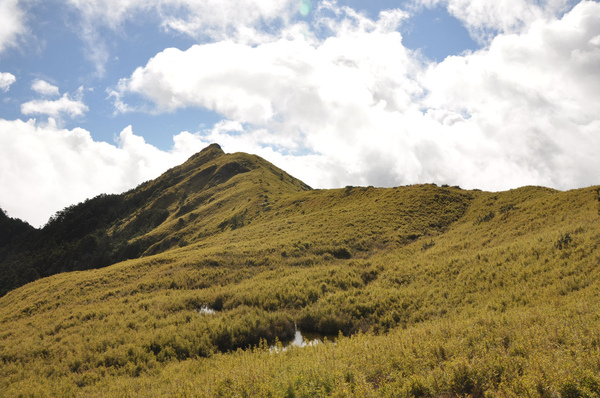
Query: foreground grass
point(439, 292)
point(543, 352)
point(530, 353)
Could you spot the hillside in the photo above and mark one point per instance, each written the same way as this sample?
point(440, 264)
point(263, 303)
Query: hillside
point(427, 291)
point(175, 208)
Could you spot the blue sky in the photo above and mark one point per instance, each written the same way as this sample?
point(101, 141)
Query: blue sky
point(99, 96)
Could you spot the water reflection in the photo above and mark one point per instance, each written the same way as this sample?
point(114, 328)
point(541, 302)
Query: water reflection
point(303, 340)
point(205, 310)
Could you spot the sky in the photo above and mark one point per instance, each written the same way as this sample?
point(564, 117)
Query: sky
point(98, 96)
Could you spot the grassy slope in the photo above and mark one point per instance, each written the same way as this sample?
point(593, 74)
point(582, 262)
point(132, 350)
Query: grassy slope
point(211, 192)
point(445, 292)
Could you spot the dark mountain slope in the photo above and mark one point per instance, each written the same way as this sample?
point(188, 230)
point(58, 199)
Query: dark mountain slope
point(12, 229)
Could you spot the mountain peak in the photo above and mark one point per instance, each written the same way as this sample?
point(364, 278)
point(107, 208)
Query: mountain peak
point(213, 147)
point(209, 153)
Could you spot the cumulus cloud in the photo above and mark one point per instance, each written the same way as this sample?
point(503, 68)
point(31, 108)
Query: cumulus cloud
point(12, 23)
point(6, 80)
point(521, 111)
point(44, 168)
point(44, 88)
point(253, 84)
point(533, 93)
point(65, 105)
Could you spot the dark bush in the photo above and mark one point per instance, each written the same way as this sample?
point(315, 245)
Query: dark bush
point(465, 381)
point(563, 241)
point(341, 253)
point(484, 218)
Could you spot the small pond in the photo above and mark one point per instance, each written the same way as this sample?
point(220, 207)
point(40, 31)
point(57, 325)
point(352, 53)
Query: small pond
point(303, 339)
point(205, 310)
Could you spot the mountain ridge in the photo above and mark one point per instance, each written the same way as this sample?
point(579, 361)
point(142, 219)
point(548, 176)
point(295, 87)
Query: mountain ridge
point(176, 209)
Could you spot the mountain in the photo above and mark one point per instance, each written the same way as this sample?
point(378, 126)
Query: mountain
point(167, 212)
point(427, 291)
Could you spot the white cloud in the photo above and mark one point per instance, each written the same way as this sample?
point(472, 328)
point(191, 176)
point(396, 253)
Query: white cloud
point(522, 111)
point(12, 25)
point(119, 105)
point(220, 19)
point(65, 105)
point(253, 84)
point(6, 80)
point(43, 169)
point(535, 94)
point(349, 99)
point(44, 88)
point(209, 18)
point(240, 20)
point(486, 18)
